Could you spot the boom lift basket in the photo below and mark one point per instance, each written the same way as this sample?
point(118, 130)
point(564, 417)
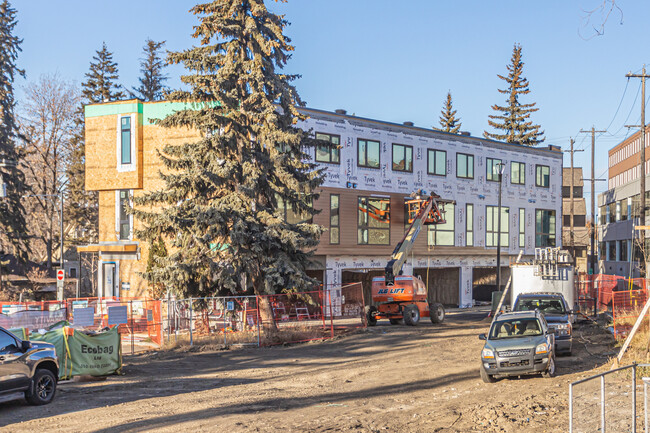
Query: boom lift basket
point(436, 214)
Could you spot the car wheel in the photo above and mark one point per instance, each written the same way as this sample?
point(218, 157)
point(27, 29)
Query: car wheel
point(42, 389)
point(487, 378)
point(550, 370)
point(411, 315)
point(371, 311)
point(437, 313)
point(395, 321)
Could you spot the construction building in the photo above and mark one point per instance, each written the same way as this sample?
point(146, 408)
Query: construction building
point(372, 168)
point(619, 251)
point(575, 241)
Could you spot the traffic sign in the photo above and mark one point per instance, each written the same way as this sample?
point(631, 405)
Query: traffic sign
point(60, 275)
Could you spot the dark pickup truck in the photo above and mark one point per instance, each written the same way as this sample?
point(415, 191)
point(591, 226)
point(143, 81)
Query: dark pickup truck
point(557, 313)
point(27, 368)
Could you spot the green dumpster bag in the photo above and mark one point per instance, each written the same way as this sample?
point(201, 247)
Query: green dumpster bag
point(96, 355)
point(58, 338)
point(20, 333)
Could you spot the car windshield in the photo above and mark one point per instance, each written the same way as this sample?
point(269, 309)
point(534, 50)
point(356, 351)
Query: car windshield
point(513, 328)
point(545, 305)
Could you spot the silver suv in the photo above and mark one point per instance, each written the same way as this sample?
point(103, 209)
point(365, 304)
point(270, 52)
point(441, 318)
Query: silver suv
point(27, 368)
point(518, 343)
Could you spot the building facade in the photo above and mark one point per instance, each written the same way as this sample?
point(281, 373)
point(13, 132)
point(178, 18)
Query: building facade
point(371, 169)
point(576, 241)
point(619, 249)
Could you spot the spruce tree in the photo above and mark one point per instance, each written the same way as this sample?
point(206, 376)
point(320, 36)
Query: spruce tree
point(151, 66)
point(12, 179)
point(514, 117)
point(448, 120)
point(101, 84)
point(157, 250)
point(220, 211)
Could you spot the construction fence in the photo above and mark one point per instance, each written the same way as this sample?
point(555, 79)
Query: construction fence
point(146, 324)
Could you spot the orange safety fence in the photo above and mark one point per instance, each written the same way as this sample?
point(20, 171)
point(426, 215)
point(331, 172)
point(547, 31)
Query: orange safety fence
point(597, 290)
point(626, 307)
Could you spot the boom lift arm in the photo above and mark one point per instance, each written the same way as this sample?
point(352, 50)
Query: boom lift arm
point(426, 211)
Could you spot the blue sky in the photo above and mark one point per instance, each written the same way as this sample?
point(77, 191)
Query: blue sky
point(391, 60)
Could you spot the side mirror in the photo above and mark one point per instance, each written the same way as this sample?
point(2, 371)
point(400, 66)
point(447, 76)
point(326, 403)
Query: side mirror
point(25, 345)
point(482, 337)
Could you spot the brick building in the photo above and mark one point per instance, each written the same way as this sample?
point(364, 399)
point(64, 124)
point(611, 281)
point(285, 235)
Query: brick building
point(371, 165)
point(576, 242)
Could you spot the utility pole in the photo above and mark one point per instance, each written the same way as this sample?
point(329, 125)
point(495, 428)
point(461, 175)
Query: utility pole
point(592, 234)
point(571, 234)
point(642, 171)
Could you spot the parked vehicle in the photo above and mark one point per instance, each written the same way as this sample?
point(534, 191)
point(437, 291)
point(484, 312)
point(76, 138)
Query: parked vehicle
point(400, 297)
point(519, 343)
point(27, 368)
point(557, 313)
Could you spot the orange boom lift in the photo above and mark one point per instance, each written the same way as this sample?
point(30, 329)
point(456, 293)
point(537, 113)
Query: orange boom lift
point(400, 296)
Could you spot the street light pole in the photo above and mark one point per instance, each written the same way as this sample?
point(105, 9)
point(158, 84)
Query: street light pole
point(500, 168)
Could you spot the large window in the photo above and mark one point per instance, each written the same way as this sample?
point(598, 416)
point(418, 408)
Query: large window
point(522, 227)
point(124, 219)
point(443, 234)
point(491, 225)
point(611, 208)
point(493, 167)
point(544, 228)
point(542, 176)
point(623, 204)
point(368, 153)
point(611, 251)
point(293, 216)
point(328, 152)
point(334, 219)
point(374, 221)
point(622, 250)
point(437, 162)
point(402, 158)
point(465, 166)
point(518, 173)
point(469, 225)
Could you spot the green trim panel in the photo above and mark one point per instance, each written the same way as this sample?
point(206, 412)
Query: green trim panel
point(150, 111)
point(98, 110)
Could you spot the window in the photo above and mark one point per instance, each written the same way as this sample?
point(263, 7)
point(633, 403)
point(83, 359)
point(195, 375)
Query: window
point(292, 216)
point(493, 169)
point(518, 173)
point(491, 227)
point(8, 344)
point(601, 251)
point(402, 158)
point(542, 176)
point(72, 273)
point(374, 221)
point(437, 162)
point(443, 234)
point(125, 144)
point(611, 251)
point(623, 209)
point(328, 152)
point(465, 166)
point(522, 227)
point(611, 208)
point(368, 153)
point(469, 225)
point(124, 219)
point(622, 250)
point(544, 228)
point(334, 219)
point(602, 214)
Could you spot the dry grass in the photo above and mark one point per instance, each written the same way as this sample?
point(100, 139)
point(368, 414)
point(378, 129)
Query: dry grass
point(639, 348)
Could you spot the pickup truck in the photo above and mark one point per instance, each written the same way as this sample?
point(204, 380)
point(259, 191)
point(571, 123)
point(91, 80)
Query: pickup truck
point(28, 369)
point(557, 313)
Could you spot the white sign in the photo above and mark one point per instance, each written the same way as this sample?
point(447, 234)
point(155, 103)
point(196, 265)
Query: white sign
point(83, 316)
point(117, 315)
point(126, 286)
point(60, 275)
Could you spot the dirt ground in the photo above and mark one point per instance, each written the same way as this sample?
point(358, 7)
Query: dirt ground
point(386, 378)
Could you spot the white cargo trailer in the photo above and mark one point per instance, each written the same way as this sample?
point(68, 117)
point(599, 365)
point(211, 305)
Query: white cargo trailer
point(551, 271)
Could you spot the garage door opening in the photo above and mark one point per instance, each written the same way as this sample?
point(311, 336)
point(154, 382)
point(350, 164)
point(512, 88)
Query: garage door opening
point(443, 284)
point(363, 276)
point(484, 282)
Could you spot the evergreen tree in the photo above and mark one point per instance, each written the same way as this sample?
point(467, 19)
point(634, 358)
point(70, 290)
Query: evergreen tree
point(448, 120)
point(514, 117)
point(12, 179)
point(101, 85)
point(157, 250)
point(151, 83)
point(220, 209)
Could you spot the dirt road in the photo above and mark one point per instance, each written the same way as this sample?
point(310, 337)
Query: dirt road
point(388, 378)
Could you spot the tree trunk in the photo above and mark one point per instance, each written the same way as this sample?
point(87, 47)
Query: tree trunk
point(266, 313)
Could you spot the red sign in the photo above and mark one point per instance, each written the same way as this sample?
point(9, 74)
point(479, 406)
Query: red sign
point(60, 275)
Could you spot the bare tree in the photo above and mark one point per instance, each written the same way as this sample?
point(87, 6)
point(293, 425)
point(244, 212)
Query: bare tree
point(597, 18)
point(48, 123)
